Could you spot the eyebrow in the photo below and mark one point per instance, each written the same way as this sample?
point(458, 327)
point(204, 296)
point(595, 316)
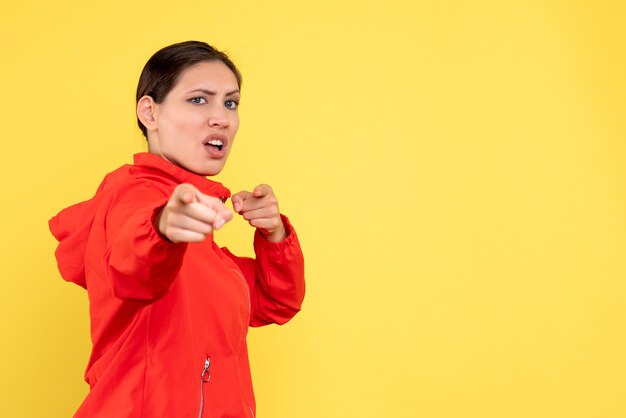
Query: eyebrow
point(212, 93)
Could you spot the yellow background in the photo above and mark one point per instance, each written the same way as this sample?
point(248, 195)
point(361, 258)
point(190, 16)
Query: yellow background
point(456, 172)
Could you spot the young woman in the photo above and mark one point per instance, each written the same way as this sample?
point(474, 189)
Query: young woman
point(169, 308)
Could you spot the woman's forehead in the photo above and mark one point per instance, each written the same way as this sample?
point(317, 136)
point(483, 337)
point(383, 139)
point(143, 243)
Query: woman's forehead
point(214, 74)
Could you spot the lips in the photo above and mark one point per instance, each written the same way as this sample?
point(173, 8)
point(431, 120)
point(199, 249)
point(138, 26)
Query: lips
point(215, 145)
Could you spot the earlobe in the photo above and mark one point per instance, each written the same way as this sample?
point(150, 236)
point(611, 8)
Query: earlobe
point(146, 112)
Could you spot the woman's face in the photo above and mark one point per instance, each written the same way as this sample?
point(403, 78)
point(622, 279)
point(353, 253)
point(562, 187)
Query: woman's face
point(195, 125)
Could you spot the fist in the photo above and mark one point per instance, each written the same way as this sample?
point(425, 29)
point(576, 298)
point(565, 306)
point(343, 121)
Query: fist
point(190, 215)
point(260, 209)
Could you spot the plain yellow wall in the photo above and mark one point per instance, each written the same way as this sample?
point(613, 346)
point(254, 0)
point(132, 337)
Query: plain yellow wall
point(456, 172)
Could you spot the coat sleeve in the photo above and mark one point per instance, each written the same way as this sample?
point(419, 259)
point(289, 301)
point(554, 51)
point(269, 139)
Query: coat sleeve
point(141, 264)
point(275, 278)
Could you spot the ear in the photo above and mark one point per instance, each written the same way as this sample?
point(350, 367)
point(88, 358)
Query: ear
point(147, 112)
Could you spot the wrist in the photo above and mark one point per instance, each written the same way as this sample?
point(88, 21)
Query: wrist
point(275, 235)
point(156, 222)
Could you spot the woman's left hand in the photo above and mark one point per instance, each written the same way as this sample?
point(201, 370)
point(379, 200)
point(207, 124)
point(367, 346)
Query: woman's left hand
point(260, 209)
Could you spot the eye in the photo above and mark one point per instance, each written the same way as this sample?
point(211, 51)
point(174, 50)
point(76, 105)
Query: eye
point(197, 100)
point(231, 104)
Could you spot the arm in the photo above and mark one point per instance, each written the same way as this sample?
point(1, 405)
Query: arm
point(141, 264)
point(148, 232)
point(275, 277)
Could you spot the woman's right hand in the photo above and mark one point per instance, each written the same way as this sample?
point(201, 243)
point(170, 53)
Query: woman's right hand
point(190, 215)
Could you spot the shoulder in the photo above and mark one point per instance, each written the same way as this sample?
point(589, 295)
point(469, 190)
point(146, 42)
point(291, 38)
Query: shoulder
point(132, 177)
point(135, 186)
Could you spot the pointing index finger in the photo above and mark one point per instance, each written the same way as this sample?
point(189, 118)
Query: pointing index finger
point(238, 198)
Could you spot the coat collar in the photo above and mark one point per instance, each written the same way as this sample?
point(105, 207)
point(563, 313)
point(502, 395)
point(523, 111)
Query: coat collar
point(206, 186)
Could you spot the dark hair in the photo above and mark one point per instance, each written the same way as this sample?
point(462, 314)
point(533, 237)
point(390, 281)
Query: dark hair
point(163, 69)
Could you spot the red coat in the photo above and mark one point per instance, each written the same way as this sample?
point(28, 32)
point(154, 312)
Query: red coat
point(162, 313)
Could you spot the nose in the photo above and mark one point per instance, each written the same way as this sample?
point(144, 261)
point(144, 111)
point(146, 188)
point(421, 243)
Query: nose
point(218, 117)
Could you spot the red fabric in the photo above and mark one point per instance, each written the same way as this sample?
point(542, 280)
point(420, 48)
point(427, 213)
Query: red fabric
point(159, 310)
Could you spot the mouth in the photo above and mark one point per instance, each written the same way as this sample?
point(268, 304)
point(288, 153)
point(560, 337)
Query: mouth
point(215, 145)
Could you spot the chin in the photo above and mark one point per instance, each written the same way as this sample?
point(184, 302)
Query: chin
point(205, 167)
point(210, 174)
point(208, 171)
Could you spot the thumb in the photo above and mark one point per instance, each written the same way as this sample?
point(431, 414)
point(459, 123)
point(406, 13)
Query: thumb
point(188, 197)
point(261, 190)
point(186, 194)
